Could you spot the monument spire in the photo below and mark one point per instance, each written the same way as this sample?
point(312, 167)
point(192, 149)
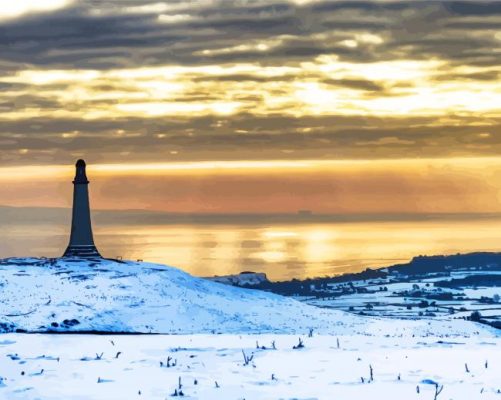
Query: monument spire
point(81, 240)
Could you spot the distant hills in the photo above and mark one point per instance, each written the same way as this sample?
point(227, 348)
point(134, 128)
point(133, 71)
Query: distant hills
point(420, 266)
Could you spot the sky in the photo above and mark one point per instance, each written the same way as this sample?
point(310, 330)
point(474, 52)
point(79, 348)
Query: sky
point(253, 106)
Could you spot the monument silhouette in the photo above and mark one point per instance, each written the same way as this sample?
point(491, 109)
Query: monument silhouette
point(81, 240)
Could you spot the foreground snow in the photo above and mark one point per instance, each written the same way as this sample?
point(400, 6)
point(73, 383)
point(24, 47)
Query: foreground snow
point(129, 367)
point(38, 295)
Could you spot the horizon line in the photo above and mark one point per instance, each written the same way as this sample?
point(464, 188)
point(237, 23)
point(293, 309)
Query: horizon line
point(303, 214)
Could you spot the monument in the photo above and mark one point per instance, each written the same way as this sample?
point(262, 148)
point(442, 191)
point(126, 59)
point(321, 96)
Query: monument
point(81, 240)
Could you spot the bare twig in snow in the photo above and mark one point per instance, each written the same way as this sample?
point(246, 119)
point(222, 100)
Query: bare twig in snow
point(438, 390)
point(247, 359)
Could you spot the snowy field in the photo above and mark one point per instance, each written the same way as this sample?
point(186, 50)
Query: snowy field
point(35, 366)
point(412, 299)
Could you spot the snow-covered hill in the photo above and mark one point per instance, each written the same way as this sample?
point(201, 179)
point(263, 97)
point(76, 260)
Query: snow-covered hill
point(112, 296)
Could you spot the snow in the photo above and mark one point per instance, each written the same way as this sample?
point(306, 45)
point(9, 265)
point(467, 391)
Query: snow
point(397, 297)
point(205, 329)
point(140, 297)
point(38, 295)
point(242, 279)
point(66, 367)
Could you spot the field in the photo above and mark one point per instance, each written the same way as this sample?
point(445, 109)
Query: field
point(415, 298)
point(36, 366)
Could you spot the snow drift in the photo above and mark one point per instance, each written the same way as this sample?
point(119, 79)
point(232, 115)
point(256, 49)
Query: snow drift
point(75, 295)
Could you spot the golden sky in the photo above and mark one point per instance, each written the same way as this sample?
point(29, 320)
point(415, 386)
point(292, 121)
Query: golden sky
point(219, 106)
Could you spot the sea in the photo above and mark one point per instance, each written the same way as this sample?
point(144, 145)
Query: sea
point(283, 250)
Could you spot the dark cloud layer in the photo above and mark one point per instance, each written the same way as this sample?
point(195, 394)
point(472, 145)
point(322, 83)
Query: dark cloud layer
point(103, 34)
point(245, 137)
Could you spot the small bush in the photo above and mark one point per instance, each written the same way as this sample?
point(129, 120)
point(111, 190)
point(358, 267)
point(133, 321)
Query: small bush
point(475, 316)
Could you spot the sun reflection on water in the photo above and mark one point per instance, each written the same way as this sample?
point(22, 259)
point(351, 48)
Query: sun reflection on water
point(281, 251)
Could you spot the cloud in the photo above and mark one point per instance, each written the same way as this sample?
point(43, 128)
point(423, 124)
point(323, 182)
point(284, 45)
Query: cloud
point(258, 79)
point(244, 137)
point(18, 8)
point(53, 39)
point(355, 84)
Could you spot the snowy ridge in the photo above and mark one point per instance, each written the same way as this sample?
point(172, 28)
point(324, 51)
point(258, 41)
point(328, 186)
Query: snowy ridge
point(39, 295)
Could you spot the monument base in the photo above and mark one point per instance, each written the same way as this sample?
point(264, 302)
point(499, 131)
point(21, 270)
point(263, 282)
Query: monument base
point(88, 251)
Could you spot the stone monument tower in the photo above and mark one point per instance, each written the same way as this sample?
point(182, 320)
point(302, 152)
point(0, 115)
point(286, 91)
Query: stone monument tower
point(81, 240)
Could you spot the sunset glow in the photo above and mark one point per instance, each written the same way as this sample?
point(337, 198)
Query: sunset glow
point(14, 9)
point(311, 88)
point(443, 185)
